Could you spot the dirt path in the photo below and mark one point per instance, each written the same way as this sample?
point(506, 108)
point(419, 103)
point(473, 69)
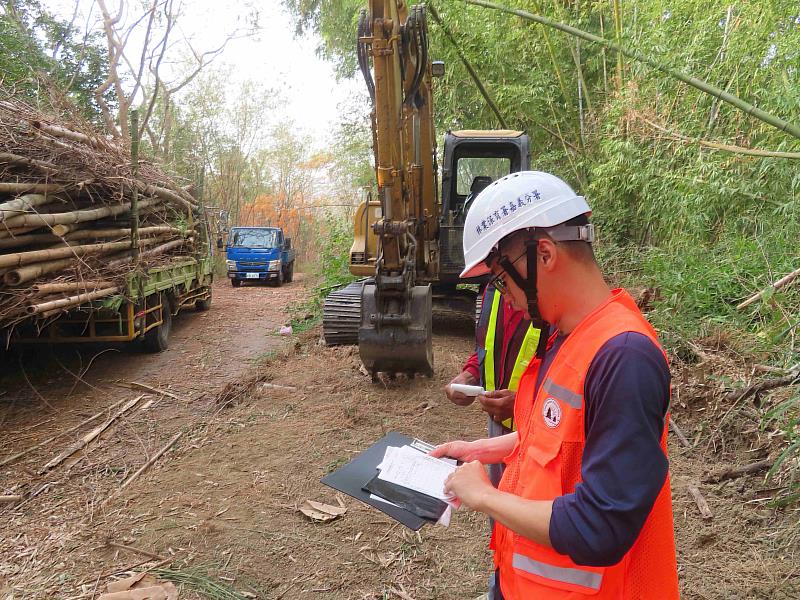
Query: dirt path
point(223, 504)
point(48, 542)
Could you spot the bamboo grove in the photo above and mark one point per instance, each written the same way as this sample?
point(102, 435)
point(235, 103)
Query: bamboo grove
point(685, 141)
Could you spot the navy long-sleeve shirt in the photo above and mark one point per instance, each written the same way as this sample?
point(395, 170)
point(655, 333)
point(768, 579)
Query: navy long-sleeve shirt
point(624, 468)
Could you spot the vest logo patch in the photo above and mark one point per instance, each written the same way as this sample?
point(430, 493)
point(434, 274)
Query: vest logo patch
point(551, 411)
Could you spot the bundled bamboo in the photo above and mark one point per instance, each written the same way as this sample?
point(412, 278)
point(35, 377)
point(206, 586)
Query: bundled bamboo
point(75, 216)
point(67, 218)
point(82, 234)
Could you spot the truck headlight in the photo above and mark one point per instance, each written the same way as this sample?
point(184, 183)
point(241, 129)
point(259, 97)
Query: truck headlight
point(231, 265)
point(274, 265)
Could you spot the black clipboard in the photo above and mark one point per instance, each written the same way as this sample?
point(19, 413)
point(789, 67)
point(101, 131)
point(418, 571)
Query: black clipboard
point(356, 474)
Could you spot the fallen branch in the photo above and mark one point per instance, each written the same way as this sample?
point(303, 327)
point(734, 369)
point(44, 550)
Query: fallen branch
point(89, 437)
point(700, 501)
point(148, 464)
point(10, 499)
point(94, 417)
point(147, 388)
point(782, 282)
point(762, 386)
point(135, 550)
point(679, 434)
point(740, 471)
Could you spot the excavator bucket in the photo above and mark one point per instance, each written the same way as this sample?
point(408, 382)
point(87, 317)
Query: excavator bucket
point(398, 341)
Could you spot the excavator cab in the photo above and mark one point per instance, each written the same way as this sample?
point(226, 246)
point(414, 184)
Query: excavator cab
point(472, 161)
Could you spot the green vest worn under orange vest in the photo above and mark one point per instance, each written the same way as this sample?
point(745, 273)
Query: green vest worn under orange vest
point(546, 463)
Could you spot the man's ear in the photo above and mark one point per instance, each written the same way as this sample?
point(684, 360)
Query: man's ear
point(547, 253)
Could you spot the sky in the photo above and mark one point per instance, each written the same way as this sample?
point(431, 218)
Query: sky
point(274, 57)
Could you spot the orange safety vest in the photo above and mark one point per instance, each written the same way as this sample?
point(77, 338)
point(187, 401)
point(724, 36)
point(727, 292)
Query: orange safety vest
point(546, 463)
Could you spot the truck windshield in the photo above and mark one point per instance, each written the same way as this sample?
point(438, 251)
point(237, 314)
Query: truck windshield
point(255, 238)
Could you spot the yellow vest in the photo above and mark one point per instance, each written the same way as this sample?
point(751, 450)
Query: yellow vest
point(526, 353)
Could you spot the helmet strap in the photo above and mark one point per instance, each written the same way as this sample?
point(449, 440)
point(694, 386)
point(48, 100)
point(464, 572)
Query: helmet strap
point(528, 285)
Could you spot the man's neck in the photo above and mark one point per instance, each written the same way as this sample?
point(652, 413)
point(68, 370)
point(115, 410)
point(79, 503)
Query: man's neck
point(588, 290)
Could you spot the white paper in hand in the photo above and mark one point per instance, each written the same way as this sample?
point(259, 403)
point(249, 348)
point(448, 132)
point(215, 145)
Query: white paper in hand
point(467, 390)
point(416, 471)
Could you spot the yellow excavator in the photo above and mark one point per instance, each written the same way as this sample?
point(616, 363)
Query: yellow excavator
point(408, 242)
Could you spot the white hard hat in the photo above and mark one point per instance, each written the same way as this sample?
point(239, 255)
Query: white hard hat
point(518, 201)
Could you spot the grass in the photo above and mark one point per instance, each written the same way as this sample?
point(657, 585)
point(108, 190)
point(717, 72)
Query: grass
point(198, 580)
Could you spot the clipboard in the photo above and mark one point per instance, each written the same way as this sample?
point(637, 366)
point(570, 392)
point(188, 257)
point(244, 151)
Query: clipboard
point(352, 478)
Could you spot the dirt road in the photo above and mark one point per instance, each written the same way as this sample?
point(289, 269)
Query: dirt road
point(221, 506)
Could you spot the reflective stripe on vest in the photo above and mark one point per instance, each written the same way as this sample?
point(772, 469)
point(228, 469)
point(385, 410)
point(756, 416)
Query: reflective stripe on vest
point(546, 464)
point(526, 353)
point(581, 577)
point(488, 365)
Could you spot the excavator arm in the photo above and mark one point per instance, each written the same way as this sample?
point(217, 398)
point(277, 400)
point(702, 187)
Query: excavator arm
point(405, 239)
point(395, 330)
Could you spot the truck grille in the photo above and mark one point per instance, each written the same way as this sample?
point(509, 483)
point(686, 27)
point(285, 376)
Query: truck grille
point(253, 264)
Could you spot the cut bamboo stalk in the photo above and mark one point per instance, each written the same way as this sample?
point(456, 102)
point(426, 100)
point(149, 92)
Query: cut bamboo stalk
point(164, 194)
point(89, 437)
point(32, 271)
point(83, 234)
point(63, 229)
point(70, 286)
point(75, 216)
point(27, 240)
point(12, 207)
point(19, 259)
point(17, 276)
point(24, 161)
point(36, 309)
point(69, 134)
point(33, 188)
point(152, 252)
point(12, 233)
point(782, 282)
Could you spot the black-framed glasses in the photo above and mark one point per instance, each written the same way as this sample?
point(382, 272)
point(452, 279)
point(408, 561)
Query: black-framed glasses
point(498, 282)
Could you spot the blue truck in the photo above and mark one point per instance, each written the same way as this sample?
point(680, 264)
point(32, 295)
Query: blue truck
point(259, 254)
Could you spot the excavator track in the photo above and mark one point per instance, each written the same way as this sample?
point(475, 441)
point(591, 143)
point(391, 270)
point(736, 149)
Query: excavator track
point(341, 315)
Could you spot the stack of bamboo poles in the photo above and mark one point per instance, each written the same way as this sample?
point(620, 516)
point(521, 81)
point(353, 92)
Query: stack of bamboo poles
point(66, 222)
